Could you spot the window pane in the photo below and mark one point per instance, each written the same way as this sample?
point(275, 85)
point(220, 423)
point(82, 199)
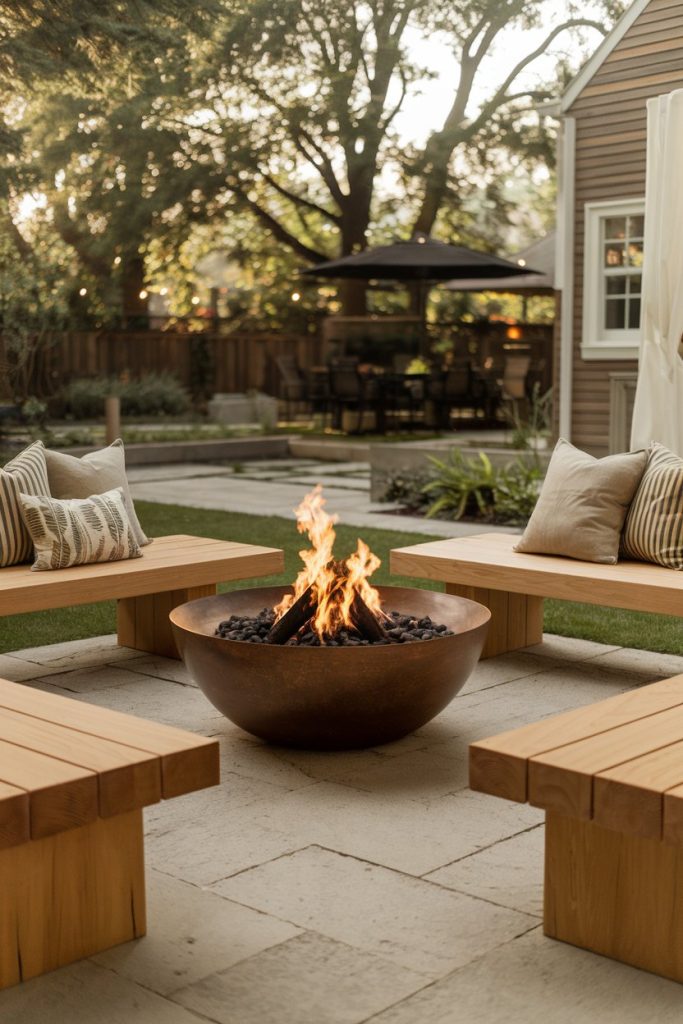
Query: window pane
point(634, 257)
point(636, 226)
point(634, 284)
point(614, 255)
point(634, 314)
point(616, 285)
point(615, 227)
point(615, 314)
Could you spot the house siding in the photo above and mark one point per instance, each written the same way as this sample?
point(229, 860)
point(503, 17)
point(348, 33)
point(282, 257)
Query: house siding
point(611, 139)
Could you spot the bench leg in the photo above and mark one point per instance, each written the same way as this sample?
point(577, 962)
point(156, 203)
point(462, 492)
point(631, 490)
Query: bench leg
point(516, 619)
point(142, 622)
point(70, 895)
point(615, 894)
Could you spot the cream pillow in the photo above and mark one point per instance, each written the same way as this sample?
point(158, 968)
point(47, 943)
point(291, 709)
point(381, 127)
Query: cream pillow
point(78, 531)
point(582, 505)
point(653, 531)
point(94, 473)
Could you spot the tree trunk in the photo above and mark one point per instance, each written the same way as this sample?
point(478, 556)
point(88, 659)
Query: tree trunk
point(353, 227)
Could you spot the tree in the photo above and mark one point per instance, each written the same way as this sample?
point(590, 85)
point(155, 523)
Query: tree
point(285, 111)
point(317, 87)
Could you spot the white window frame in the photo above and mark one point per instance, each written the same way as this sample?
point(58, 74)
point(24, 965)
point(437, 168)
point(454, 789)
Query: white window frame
point(596, 343)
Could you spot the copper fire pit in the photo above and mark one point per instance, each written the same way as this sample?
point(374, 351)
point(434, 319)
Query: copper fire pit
point(330, 698)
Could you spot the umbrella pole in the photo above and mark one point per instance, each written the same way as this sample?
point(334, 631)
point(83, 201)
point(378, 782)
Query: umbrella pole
point(422, 290)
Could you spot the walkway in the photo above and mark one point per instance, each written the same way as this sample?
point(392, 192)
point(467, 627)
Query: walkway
point(276, 488)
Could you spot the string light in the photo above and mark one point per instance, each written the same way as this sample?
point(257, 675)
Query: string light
point(143, 294)
point(163, 291)
point(82, 291)
point(117, 260)
point(195, 300)
point(295, 296)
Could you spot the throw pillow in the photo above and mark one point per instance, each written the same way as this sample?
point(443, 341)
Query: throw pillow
point(653, 531)
point(582, 505)
point(94, 473)
point(78, 531)
point(26, 473)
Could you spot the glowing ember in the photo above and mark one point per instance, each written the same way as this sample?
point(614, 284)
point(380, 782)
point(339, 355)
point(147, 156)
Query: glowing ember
point(334, 585)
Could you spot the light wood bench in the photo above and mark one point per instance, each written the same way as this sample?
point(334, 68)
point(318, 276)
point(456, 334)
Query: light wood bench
point(610, 779)
point(171, 571)
point(73, 781)
point(486, 569)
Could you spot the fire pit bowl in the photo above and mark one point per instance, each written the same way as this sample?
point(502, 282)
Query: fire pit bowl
point(330, 698)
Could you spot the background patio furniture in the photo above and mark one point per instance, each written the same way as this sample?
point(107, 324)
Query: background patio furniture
point(457, 388)
point(75, 780)
point(291, 383)
point(353, 392)
point(610, 779)
point(171, 571)
point(485, 568)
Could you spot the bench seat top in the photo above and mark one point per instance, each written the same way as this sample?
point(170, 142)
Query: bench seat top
point(488, 561)
point(64, 763)
point(168, 563)
point(618, 762)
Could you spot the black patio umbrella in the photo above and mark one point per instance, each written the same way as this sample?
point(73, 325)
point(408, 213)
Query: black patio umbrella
point(423, 260)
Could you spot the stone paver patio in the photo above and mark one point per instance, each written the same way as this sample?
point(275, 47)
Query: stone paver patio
point(342, 888)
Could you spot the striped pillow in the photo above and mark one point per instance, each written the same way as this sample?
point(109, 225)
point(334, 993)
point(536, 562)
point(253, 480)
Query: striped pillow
point(653, 531)
point(78, 531)
point(26, 473)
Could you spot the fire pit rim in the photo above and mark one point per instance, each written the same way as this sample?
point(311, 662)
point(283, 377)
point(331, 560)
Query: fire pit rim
point(278, 592)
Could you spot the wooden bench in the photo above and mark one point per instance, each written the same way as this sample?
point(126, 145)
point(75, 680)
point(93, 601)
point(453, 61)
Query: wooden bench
point(486, 569)
point(73, 781)
point(171, 571)
point(610, 779)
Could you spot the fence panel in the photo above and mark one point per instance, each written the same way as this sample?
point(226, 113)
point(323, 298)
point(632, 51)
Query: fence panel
point(236, 362)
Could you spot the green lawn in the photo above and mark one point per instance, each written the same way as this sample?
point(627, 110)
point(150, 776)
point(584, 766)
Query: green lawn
point(627, 629)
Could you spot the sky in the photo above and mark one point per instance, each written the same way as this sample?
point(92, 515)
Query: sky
point(423, 113)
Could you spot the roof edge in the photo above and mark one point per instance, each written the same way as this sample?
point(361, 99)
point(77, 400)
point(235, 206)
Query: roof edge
point(611, 40)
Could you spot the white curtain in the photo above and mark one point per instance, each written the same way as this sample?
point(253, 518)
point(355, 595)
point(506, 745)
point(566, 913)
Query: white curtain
point(658, 409)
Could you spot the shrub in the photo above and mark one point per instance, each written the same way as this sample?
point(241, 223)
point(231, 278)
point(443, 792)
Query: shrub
point(473, 487)
point(407, 489)
point(153, 394)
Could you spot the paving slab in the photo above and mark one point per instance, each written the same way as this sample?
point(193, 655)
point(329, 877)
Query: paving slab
point(191, 933)
point(534, 980)
point(86, 993)
point(310, 980)
point(509, 873)
point(413, 923)
point(406, 834)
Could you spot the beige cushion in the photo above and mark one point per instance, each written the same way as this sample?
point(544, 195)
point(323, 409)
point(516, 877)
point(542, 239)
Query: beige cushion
point(77, 531)
point(99, 471)
point(653, 531)
point(26, 472)
point(582, 505)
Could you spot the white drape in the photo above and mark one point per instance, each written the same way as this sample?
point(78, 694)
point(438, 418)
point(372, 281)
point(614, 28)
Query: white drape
point(658, 409)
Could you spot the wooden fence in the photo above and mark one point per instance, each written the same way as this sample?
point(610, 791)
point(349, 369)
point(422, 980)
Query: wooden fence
point(201, 361)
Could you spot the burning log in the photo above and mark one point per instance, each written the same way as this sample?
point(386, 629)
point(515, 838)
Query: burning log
point(304, 608)
point(294, 618)
point(367, 624)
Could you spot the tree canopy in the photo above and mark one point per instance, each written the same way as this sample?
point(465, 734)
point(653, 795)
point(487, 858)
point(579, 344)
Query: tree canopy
point(139, 121)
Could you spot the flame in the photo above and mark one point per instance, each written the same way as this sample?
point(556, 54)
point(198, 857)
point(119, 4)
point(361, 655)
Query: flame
point(335, 583)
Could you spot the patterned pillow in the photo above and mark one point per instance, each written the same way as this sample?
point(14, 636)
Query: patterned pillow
point(653, 531)
point(26, 473)
point(77, 531)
